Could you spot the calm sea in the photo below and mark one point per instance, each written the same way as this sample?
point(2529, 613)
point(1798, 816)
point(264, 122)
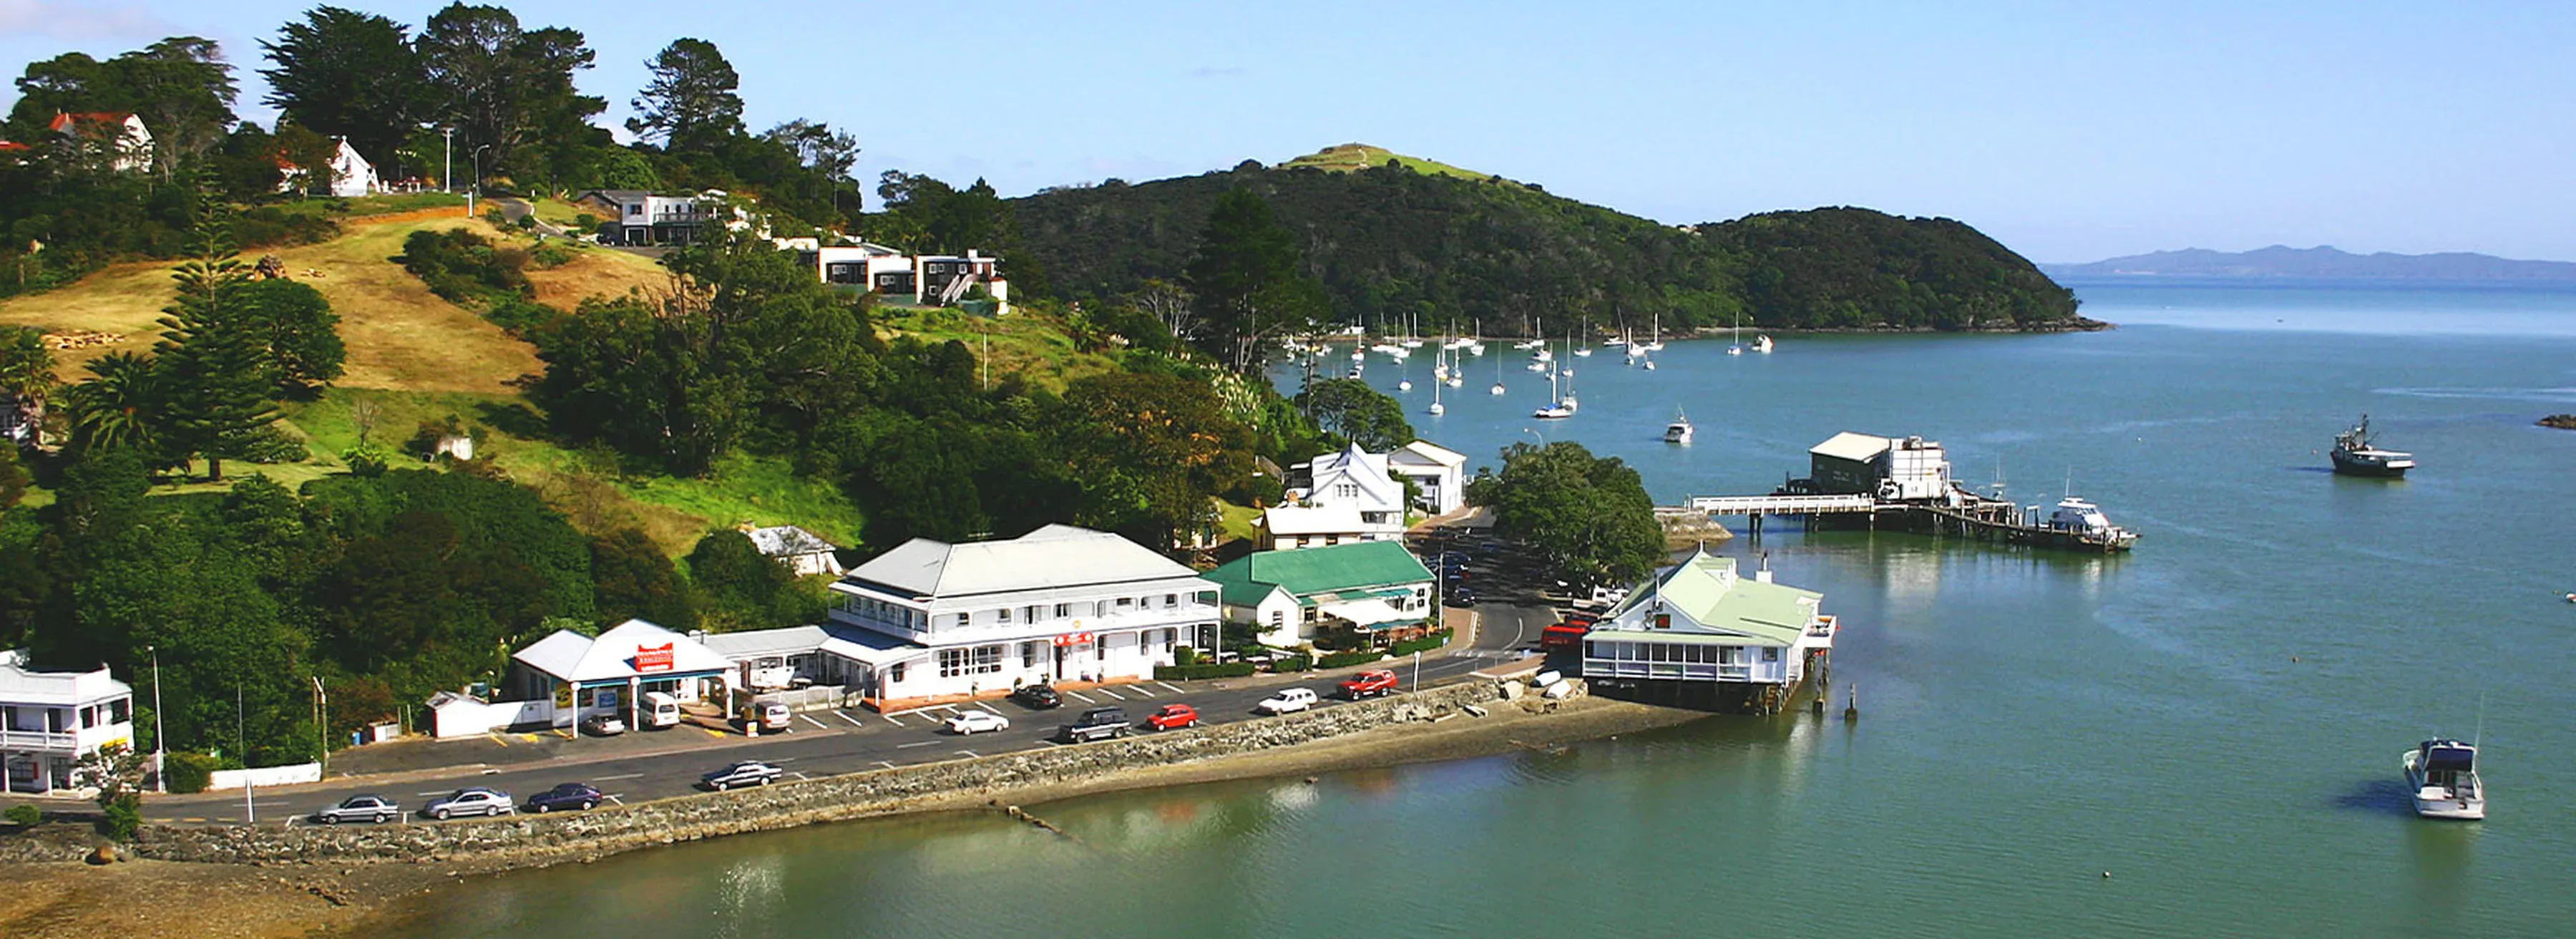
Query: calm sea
point(2214, 722)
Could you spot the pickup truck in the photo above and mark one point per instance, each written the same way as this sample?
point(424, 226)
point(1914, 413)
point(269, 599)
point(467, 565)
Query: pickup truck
point(1370, 684)
point(1095, 724)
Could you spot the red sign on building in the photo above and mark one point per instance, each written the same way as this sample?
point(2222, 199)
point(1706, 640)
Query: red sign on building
point(653, 658)
point(1073, 639)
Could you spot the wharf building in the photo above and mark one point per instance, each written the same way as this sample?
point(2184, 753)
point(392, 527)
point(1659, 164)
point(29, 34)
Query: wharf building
point(1698, 635)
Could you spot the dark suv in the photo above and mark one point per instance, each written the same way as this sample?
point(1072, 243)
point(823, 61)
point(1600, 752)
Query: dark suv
point(1037, 697)
point(1096, 724)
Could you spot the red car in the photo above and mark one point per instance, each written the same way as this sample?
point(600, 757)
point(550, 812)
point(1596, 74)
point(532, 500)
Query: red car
point(1369, 684)
point(1173, 717)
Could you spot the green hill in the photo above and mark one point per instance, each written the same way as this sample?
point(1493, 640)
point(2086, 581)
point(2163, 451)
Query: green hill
point(1394, 237)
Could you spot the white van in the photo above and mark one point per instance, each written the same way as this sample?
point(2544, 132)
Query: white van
point(658, 711)
point(1287, 700)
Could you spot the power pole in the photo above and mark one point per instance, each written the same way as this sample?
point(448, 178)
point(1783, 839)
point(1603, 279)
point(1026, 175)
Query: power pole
point(322, 731)
point(447, 166)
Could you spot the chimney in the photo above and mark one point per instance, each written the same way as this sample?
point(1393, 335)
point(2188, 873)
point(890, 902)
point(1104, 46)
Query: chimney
point(1762, 575)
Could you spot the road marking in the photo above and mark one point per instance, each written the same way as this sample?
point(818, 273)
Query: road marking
point(618, 777)
point(496, 738)
point(785, 759)
point(889, 718)
point(559, 732)
point(799, 775)
point(192, 819)
point(950, 708)
point(810, 720)
point(439, 792)
point(988, 709)
point(1078, 694)
point(885, 764)
point(612, 797)
point(532, 738)
point(1112, 694)
point(1167, 684)
point(1139, 689)
point(712, 732)
point(971, 753)
point(854, 722)
point(916, 743)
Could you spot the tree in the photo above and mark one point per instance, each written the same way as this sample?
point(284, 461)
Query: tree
point(1150, 451)
point(634, 581)
point(119, 407)
point(216, 382)
point(347, 74)
point(1348, 408)
point(299, 333)
point(505, 87)
point(1248, 285)
point(690, 102)
point(181, 87)
point(740, 588)
point(1589, 518)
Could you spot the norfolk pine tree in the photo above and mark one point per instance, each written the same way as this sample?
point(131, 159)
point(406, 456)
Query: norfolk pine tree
point(212, 356)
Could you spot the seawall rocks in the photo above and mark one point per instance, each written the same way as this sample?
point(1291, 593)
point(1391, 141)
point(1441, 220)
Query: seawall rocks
point(541, 838)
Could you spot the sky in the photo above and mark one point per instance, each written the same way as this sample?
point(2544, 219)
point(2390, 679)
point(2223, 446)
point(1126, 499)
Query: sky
point(2068, 131)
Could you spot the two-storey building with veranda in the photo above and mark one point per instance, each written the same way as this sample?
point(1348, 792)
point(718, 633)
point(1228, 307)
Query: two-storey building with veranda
point(49, 720)
point(1060, 605)
point(1698, 635)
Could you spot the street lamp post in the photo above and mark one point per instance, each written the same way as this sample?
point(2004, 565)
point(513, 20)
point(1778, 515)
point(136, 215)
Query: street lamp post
point(160, 751)
point(447, 160)
point(322, 732)
point(475, 184)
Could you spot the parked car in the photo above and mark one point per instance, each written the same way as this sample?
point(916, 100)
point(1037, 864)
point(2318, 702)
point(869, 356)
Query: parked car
point(1287, 700)
point(603, 725)
point(1173, 717)
point(1370, 684)
point(745, 773)
point(366, 808)
point(767, 715)
point(973, 720)
point(1461, 596)
point(472, 800)
point(1096, 724)
point(574, 795)
point(1037, 697)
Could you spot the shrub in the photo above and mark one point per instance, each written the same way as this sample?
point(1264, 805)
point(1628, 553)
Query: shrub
point(365, 462)
point(25, 815)
point(1185, 656)
point(492, 216)
point(519, 316)
point(121, 816)
point(1207, 670)
point(585, 222)
point(550, 255)
point(463, 267)
point(1292, 663)
point(1356, 657)
point(271, 444)
point(189, 772)
point(1424, 644)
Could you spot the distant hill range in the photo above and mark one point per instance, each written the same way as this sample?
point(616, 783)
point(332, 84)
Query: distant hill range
point(1395, 238)
point(2321, 262)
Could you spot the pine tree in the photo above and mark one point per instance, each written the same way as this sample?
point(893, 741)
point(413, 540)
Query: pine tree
point(211, 356)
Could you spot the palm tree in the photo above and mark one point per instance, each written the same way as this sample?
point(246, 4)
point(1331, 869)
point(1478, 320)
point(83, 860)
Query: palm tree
point(115, 407)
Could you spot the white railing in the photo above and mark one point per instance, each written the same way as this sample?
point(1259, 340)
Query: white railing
point(39, 740)
point(1157, 617)
point(1780, 505)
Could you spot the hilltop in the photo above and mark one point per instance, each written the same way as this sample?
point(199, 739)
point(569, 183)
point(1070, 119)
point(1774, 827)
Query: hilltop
point(1396, 238)
point(2323, 261)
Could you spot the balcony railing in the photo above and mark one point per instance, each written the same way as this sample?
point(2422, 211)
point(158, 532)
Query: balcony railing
point(948, 633)
point(39, 740)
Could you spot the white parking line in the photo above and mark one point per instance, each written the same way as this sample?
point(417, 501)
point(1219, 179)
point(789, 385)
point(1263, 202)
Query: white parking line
point(613, 797)
point(785, 759)
point(434, 792)
point(1112, 694)
point(988, 709)
point(916, 743)
point(799, 775)
point(885, 764)
point(618, 777)
point(951, 709)
point(970, 753)
point(1167, 684)
point(1140, 689)
point(807, 718)
point(854, 722)
point(1078, 694)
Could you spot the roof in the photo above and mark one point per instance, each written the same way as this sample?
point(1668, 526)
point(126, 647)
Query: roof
point(573, 657)
point(1311, 519)
point(756, 643)
point(619, 196)
point(64, 119)
point(1850, 446)
point(1354, 465)
point(1424, 451)
point(1051, 557)
point(1306, 571)
point(22, 685)
point(1714, 606)
point(783, 540)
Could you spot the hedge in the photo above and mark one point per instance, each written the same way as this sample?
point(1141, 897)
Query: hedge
point(1293, 663)
point(1339, 659)
point(1424, 644)
point(1209, 670)
point(189, 772)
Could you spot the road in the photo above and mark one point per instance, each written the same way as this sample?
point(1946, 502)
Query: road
point(824, 743)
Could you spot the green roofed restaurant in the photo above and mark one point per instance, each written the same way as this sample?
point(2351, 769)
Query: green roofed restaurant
point(1697, 635)
point(1372, 592)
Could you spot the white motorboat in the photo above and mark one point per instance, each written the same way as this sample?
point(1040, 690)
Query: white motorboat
point(2086, 523)
point(1650, 365)
point(1680, 430)
point(1585, 352)
point(1762, 344)
point(1404, 384)
point(1553, 412)
point(2442, 780)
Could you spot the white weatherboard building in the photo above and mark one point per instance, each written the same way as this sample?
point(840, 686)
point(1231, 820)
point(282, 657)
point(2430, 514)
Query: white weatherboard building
point(49, 720)
point(584, 675)
point(1699, 635)
point(1439, 472)
point(937, 621)
point(1346, 497)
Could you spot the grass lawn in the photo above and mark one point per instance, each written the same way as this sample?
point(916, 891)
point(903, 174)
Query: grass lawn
point(1029, 344)
point(1350, 157)
point(557, 212)
point(596, 272)
point(1237, 521)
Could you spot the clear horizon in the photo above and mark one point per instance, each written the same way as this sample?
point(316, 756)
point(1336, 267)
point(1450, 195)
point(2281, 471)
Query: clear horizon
point(2070, 137)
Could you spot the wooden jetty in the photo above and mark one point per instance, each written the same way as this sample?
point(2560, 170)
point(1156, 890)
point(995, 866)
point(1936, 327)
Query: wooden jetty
point(1962, 514)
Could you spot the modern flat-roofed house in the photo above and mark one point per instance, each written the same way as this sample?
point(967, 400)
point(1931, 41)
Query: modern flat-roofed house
point(1375, 588)
point(1698, 635)
point(117, 136)
point(1061, 604)
point(49, 720)
point(874, 268)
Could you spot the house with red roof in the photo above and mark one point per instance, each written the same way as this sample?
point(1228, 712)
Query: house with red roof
point(120, 136)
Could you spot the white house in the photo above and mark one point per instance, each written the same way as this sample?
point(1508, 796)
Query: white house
point(1293, 597)
point(351, 175)
point(121, 136)
point(637, 217)
point(942, 622)
point(1438, 472)
point(585, 675)
point(802, 551)
point(49, 720)
point(1352, 482)
point(1699, 635)
point(871, 267)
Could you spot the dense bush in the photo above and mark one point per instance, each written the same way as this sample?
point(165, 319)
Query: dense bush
point(271, 444)
point(189, 772)
point(465, 268)
point(1424, 644)
point(519, 316)
point(24, 815)
point(1207, 670)
point(1292, 663)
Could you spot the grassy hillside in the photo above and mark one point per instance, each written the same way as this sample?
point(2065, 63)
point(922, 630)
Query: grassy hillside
point(1031, 342)
point(1351, 157)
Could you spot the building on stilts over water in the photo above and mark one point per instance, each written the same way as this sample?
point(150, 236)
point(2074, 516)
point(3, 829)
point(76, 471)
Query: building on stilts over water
point(1698, 635)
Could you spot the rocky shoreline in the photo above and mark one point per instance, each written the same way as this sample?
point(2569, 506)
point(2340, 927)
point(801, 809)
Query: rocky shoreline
point(280, 882)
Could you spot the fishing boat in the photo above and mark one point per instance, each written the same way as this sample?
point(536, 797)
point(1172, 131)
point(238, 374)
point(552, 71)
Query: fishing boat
point(2354, 455)
point(2442, 780)
point(2084, 522)
point(1680, 430)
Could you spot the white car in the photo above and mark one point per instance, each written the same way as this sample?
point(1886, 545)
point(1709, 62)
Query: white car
point(977, 720)
point(1293, 699)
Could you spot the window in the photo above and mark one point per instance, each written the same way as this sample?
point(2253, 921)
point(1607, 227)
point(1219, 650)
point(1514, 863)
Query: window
point(1002, 615)
point(1029, 654)
point(1171, 600)
point(1770, 654)
point(89, 717)
point(980, 660)
point(1347, 490)
point(120, 710)
point(1063, 610)
point(894, 674)
point(1169, 635)
point(961, 619)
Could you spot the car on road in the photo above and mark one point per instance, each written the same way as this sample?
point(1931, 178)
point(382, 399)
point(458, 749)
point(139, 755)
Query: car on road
point(1370, 684)
point(743, 773)
point(571, 795)
point(360, 808)
point(1173, 717)
point(1286, 701)
point(603, 725)
point(974, 720)
point(1037, 697)
point(471, 800)
point(1095, 724)
point(1462, 597)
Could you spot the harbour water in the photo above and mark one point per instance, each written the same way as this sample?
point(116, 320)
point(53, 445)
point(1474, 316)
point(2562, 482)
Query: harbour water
point(2200, 738)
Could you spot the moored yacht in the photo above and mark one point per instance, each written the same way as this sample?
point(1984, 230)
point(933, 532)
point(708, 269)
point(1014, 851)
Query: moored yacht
point(2442, 780)
point(2085, 522)
point(1680, 430)
point(2355, 456)
point(1762, 344)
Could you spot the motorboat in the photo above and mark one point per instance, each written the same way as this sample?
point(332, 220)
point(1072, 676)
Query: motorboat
point(2442, 780)
point(1762, 344)
point(1404, 384)
point(2086, 523)
point(2355, 455)
point(1553, 412)
point(1680, 430)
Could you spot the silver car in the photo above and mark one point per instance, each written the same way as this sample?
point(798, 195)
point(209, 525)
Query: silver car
point(377, 809)
point(474, 800)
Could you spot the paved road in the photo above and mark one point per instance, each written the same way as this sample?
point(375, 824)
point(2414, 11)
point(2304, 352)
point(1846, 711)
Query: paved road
point(824, 743)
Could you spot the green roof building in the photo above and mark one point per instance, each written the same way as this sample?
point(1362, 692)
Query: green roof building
point(1699, 624)
point(1290, 597)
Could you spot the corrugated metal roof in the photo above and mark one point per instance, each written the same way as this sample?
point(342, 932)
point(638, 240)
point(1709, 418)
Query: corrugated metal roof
point(1860, 448)
point(1709, 603)
point(573, 657)
point(1308, 571)
point(782, 540)
point(1429, 452)
point(1311, 519)
point(1050, 557)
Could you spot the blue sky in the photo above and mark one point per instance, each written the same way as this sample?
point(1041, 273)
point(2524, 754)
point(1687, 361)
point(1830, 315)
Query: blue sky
point(2069, 131)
